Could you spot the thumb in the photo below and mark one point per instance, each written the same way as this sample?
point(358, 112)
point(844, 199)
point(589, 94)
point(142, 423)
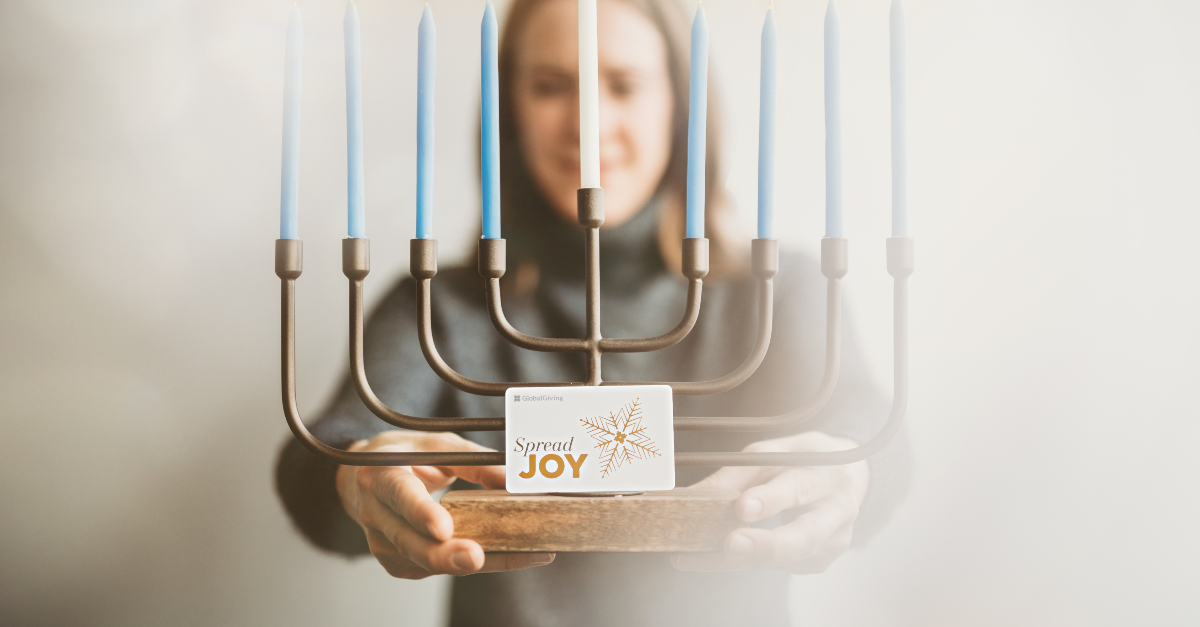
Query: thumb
point(490, 477)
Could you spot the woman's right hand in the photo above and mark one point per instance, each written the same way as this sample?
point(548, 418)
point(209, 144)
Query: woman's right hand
point(407, 531)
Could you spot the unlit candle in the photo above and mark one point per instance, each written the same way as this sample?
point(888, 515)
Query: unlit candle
point(355, 226)
point(589, 96)
point(289, 193)
point(697, 126)
point(833, 126)
point(426, 64)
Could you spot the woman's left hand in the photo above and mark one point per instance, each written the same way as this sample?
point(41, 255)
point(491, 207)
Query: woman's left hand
point(829, 497)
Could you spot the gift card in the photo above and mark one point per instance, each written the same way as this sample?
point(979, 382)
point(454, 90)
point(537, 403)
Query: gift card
point(589, 439)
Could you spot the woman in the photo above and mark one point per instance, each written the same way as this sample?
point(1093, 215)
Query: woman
point(796, 519)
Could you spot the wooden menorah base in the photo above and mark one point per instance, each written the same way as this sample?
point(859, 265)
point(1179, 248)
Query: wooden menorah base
point(669, 521)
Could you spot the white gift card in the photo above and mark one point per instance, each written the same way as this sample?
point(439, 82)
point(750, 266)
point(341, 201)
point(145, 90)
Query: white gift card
point(589, 439)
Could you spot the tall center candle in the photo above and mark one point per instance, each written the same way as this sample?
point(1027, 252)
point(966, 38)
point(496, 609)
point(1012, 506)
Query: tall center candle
point(355, 226)
point(697, 126)
point(766, 131)
point(426, 50)
point(289, 193)
point(899, 123)
point(489, 88)
point(589, 96)
point(833, 126)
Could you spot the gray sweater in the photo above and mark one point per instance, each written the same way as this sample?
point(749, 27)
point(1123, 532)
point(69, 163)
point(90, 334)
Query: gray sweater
point(640, 298)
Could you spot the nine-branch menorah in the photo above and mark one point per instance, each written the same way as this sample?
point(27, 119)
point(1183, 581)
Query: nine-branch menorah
point(492, 261)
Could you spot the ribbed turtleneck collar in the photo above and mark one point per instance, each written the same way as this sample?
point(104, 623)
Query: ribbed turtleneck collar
point(628, 253)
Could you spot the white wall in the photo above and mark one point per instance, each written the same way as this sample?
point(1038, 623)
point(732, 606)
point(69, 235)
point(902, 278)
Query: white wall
point(1054, 151)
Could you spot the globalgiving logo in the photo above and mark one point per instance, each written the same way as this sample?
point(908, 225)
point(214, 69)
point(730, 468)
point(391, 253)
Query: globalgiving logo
point(620, 437)
point(536, 398)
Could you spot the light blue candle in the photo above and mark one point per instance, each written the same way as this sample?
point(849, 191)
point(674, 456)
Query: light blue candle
point(489, 88)
point(289, 193)
point(899, 136)
point(354, 150)
point(697, 123)
point(833, 126)
point(426, 49)
point(766, 131)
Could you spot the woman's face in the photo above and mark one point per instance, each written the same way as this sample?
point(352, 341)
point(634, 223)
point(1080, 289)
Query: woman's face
point(635, 105)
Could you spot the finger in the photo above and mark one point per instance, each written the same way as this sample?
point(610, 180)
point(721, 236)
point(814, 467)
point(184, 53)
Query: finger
point(801, 539)
point(405, 494)
point(500, 562)
point(737, 477)
point(487, 476)
point(388, 557)
point(795, 487)
point(490, 477)
point(454, 557)
point(449, 556)
point(437, 477)
point(433, 477)
point(741, 477)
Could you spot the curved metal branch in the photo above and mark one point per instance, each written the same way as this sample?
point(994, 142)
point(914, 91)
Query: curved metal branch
point(443, 370)
point(798, 416)
point(607, 345)
point(691, 313)
point(742, 372)
point(288, 267)
point(900, 266)
point(378, 407)
point(764, 265)
point(523, 340)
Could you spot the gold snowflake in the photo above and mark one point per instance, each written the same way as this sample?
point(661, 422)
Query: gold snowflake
point(621, 437)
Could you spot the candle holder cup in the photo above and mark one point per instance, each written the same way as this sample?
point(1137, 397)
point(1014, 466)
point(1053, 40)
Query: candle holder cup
point(675, 520)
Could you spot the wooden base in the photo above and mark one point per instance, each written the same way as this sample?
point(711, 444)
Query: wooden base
point(674, 520)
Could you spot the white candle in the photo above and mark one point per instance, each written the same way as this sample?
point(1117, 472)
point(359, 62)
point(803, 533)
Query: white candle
point(899, 136)
point(589, 97)
point(833, 127)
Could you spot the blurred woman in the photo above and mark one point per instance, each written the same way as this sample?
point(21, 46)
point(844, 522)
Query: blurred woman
point(797, 520)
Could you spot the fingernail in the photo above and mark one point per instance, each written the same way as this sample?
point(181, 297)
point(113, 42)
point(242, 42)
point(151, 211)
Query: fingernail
point(539, 559)
point(741, 544)
point(462, 560)
point(751, 508)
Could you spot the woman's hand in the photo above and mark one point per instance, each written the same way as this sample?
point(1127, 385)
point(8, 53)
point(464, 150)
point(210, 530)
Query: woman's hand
point(407, 531)
point(829, 497)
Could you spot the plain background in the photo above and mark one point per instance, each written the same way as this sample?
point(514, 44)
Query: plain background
point(1054, 151)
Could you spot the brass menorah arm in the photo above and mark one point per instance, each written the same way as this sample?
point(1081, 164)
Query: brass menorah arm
point(492, 266)
point(900, 266)
point(834, 265)
point(288, 266)
point(356, 264)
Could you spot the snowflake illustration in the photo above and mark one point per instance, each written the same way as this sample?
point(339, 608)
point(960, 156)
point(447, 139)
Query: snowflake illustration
point(621, 437)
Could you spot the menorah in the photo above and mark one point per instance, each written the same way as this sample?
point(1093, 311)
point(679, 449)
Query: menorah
point(491, 265)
